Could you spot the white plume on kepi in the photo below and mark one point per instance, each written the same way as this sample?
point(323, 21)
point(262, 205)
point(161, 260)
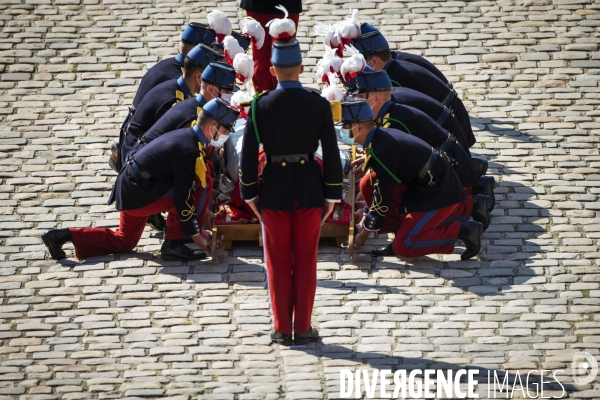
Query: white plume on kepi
point(348, 29)
point(329, 63)
point(329, 37)
point(352, 65)
point(244, 67)
point(232, 48)
point(253, 29)
point(282, 28)
point(332, 91)
point(218, 22)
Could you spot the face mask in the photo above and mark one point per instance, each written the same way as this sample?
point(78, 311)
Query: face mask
point(227, 97)
point(345, 133)
point(220, 141)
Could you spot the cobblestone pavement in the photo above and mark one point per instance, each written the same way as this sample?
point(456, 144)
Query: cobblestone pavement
point(132, 326)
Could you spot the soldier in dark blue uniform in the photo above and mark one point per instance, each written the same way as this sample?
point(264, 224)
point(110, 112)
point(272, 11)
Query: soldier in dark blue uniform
point(412, 58)
point(406, 74)
point(167, 174)
point(290, 121)
point(414, 185)
point(377, 88)
point(217, 78)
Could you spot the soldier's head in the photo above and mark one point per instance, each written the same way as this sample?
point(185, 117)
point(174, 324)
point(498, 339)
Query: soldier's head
point(357, 120)
point(287, 60)
point(374, 48)
point(218, 81)
point(194, 34)
point(195, 63)
point(216, 120)
point(375, 87)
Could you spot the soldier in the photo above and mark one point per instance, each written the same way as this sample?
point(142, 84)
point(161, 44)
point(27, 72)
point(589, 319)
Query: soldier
point(376, 87)
point(406, 74)
point(167, 174)
point(415, 187)
point(218, 80)
point(289, 121)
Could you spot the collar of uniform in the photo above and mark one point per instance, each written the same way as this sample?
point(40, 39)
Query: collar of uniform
point(180, 59)
point(384, 109)
point(388, 64)
point(201, 100)
point(289, 85)
point(184, 88)
point(200, 134)
point(369, 138)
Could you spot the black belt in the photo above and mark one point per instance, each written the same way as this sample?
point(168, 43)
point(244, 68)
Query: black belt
point(145, 174)
point(448, 143)
point(445, 114)
point(426, 170)
point(291, 158)
point(450, 85)
point(144, 140)
point(449, 98)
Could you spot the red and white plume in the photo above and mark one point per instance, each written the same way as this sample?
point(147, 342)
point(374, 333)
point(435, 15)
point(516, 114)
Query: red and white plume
point(331, 91)
point(232, 48)
point(330, 38)
point(244, 67)
point(241, 96)
point(330, 63)
point(348, 29)
point(218, 22)
point(254, 30)
point(352, 65)
point(282, 28)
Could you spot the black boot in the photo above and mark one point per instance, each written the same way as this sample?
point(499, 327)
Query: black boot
point(284, 339)
point(480, 165)
point(481, 206)
point(383, 251)
point(174, 250)
point(486, 186)
point(54, 240)
point(157, 222)
point(471, 236)
point(310, 336)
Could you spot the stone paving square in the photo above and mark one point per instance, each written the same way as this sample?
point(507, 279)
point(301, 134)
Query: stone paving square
point(131, 326)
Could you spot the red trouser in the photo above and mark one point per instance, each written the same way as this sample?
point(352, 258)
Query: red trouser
point(420, 233)
point(290, 241)
point(262, 78)
point(91, 242)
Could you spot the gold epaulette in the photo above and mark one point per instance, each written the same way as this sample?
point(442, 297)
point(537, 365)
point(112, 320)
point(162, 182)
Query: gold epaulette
point(336, 110)
point(249, 102)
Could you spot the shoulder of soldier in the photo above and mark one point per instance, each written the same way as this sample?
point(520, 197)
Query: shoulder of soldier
point(249, 102)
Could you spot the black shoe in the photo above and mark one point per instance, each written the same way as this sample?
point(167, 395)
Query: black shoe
point(310, 336)
point(486, 186)
point(471, 236)
point(54, 240)
point(383, 251)
point(157, 222)
point(480, 165)
point(284, 339)
point(481, 213)
point(174, 250)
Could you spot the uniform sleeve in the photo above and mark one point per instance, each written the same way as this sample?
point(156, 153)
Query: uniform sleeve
point(184, 190)
point(383, 191)
point(332, 168)
point(249, 161)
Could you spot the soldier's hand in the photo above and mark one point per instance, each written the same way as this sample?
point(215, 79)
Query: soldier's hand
point(253, 206)
point(328, 210)
point(358, 163)
point(202, 242)
point(361, 236)
point(209, 219)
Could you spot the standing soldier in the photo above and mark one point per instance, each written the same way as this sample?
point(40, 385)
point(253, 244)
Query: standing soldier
point(416, 193)
point(290, 121)
point(167, 174)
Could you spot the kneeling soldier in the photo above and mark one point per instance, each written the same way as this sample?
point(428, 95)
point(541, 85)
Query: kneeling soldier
point(169, 174)
point(417, 194)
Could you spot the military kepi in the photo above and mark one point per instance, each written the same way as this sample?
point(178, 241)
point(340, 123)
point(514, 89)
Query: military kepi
point(219, 110)
point(357, 111)
point(203, 55)
point(220, 75)
point(197, 33)
point(371, 42)
point(373, 81)
point(286, 53)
